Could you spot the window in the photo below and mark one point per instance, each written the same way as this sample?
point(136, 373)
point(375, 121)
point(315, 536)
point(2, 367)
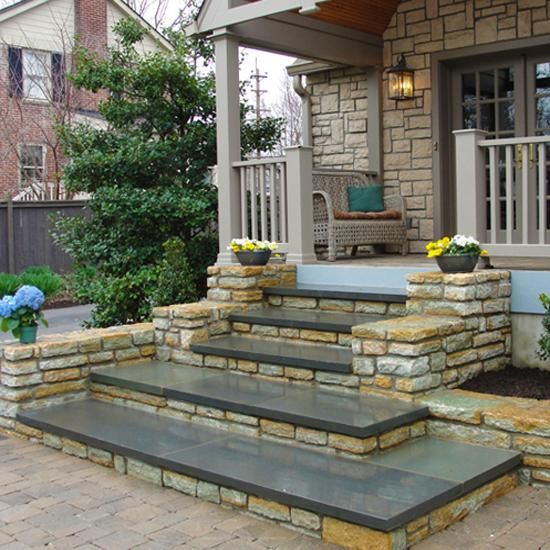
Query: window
point(36, 74)
point(31, 161)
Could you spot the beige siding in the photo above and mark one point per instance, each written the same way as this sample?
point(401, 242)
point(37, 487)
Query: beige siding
point(114, 14)
point(41, 28)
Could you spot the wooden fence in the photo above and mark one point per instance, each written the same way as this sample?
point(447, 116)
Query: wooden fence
point(25, 238)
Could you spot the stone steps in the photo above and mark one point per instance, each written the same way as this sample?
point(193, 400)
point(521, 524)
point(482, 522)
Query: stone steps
point(281, 481)
point(348, 299)
point(272, 352)
point(256, 406)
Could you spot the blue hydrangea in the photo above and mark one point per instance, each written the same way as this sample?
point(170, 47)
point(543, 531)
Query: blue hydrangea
point(6, 306)
point(29, 296)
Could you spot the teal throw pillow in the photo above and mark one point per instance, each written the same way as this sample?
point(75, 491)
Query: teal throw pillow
point(366, 199)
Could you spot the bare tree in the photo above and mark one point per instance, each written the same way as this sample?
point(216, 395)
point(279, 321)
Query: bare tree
point(289, 108)
point(159, 14)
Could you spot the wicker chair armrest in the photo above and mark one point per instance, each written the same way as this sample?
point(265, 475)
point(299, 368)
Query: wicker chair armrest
point(323, 212)
point(396, 202)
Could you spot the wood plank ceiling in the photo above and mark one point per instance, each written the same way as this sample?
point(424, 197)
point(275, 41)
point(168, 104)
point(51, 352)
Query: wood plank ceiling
point(372, 16)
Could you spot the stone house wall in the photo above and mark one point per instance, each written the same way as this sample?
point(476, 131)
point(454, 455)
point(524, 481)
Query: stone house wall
point(418, 29)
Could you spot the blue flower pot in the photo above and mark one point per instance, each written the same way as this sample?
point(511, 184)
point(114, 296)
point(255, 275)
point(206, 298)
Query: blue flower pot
point(27, 335)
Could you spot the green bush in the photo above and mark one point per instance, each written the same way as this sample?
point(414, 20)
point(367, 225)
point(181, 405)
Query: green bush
point(8, 284)
point(42, 277)
point(544, 340)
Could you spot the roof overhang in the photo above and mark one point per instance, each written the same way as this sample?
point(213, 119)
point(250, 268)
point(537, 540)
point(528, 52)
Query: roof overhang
point(278, 26)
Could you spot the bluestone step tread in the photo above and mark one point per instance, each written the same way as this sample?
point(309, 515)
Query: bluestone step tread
point(327, 321)
point(362, 492)
point(340, 292)
point(328, 410)
point(308, 356)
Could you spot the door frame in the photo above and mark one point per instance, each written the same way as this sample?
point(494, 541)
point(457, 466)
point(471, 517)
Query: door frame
point(443, 161)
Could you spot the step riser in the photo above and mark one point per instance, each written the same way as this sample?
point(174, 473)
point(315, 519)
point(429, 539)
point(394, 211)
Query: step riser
point(274, 508)
point(257, 426)
point(340, 306)
point(275, 372)
point(292, 335)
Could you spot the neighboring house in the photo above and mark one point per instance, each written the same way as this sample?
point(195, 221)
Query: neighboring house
point(482, 67)
point(36, 40)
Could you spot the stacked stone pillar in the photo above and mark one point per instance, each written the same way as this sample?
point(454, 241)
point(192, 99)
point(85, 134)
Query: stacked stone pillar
point(457, 326)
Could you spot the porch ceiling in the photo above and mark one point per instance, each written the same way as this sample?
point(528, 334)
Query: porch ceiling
point(372, 16)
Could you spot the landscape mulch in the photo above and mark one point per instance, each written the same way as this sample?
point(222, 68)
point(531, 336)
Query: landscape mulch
point(512, 382)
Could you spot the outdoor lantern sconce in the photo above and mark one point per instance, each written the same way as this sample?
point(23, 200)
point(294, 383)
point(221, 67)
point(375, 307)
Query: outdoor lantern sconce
point(401, 81)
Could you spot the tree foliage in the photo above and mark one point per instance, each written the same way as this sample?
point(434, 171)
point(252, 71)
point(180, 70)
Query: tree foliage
point(146, 172)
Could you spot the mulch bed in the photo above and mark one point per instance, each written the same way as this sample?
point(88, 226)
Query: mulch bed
point(512, 382)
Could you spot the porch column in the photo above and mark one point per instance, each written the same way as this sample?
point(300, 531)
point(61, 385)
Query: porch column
point(299, 163)
point(375, 138)
point(470, 183)
point(228, 122)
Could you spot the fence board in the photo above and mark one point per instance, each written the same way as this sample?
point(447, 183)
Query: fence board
point(31, 242)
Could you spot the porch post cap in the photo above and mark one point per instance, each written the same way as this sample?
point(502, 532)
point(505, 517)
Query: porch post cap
point(470, 131)
point(296, 147)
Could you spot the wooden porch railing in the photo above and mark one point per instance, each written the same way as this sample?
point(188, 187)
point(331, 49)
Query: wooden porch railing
point(263, 191)
point(503, 197)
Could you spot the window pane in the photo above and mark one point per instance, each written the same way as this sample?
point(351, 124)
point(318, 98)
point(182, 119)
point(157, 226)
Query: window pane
point(507, 115)
point(542, 76)
point(486, 85)
point(488, 117)
point(543, 112)
point(469, 116)
point(505, 82)
point(36, 63)
point(31, 155)
point(468, 87)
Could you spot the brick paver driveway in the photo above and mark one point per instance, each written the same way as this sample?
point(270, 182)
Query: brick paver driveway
point(51, 500)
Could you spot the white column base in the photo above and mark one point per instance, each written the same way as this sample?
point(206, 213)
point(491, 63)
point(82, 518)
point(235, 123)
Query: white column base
point(226, 258)
point(301, 258)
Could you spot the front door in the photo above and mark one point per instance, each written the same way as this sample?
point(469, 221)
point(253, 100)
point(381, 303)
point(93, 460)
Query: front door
point(509, 98)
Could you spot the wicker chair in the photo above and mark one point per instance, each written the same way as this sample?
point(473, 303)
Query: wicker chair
point(330, 194)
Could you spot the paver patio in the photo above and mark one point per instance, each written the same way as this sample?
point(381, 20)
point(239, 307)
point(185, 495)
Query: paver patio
point(58, 501)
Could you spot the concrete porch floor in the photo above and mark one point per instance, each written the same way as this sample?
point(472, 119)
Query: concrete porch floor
point(420, 261)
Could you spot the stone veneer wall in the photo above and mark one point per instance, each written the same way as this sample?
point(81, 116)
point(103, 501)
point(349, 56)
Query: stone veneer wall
point(56, 368)
point(507, 422)
point(418, 29)
point(457, 326)
point(339, 109)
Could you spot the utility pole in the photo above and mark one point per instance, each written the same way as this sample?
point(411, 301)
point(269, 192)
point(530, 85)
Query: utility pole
point(257, 79)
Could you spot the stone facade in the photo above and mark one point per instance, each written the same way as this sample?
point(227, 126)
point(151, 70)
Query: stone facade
point(339, 109)
point(56, 369)
point(457, 326)
point(418, 29)
point(507, 422)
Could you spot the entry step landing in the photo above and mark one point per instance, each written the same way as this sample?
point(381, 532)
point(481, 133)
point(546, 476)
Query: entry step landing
point(332, 411)
point(340, 292)
point(308, 356)
point(384, 494)
point(326, 321)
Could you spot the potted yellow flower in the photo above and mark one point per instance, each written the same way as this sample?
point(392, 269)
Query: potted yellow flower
point(458, 254)
point(251, 251)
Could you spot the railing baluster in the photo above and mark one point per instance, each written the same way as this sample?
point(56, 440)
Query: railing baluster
point(283, 204)
point(542, 193)
point(254, 201)
point(244, 203)
point(525, 194)
point(273, 202)
point(263, 203)
point(493, 192)
point(509, 195)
